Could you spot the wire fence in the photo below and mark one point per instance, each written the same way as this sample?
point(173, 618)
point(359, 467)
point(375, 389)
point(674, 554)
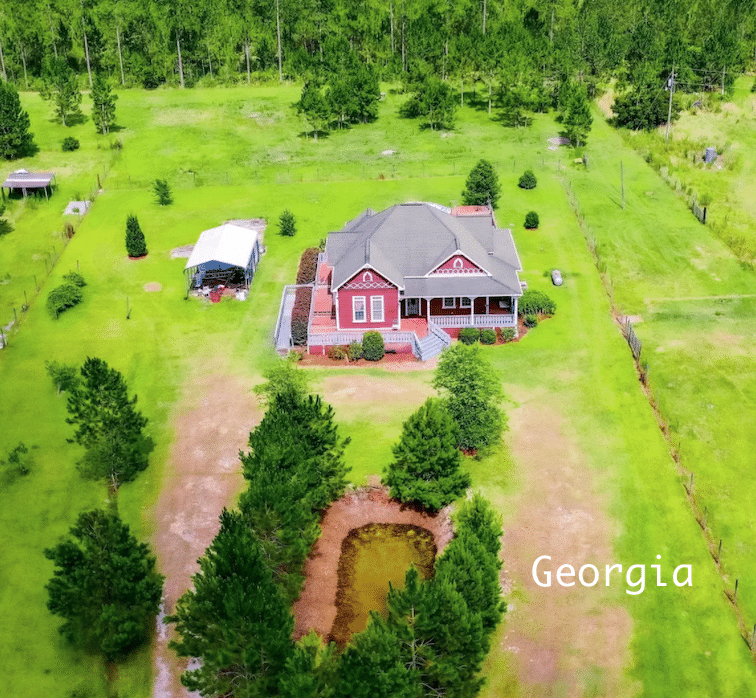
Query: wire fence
point(715, 542)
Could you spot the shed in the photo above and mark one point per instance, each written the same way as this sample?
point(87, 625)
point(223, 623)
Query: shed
point(25, 181)
point(227, 255)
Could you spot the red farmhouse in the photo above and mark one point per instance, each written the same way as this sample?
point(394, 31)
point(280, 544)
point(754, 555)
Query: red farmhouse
point(417, 273)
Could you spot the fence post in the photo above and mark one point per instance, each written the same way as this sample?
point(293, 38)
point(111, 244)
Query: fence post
point(35, 283)
point(735, 595)
point(690, 487)
point(719, 551)
point(128, 310)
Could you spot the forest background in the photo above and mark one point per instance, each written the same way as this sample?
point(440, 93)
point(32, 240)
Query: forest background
point(523, 49)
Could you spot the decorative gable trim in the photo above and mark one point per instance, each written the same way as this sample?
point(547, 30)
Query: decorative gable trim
point(367, 278)
point(454, 265)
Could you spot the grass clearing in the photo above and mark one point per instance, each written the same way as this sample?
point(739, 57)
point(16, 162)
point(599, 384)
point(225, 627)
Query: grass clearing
point(575, 363)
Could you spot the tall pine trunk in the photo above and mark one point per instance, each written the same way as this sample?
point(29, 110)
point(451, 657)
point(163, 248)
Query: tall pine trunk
point(246, 54)
point(278, 37)
point(22, 52)
point(86, 53)
point(489, 99)
point(180, 64)
point(391, 19)
point(120, 55)
point(404, 45)
point(52, 31)
point(484, 17)
point(2, 63)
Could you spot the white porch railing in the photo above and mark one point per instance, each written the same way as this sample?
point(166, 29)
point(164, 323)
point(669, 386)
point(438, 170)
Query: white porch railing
point(500, 320)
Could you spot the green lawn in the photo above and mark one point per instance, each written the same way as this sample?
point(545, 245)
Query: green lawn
point(577, 362)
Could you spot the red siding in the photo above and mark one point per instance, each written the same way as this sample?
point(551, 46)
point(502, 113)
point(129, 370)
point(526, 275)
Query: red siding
point(437, 308)
point(379, 286)
point(448, 266)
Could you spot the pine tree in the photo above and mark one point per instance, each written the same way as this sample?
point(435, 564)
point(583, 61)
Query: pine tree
point(373, 665)
point(314, 107)
point(104, 585)
point(162, 191)
point(103, 105)
point(136, 245)
point(482, 186)
point(287, 224)
point(235, 619)
point(15, 139)
point(426, 466)
point(471, 391)
point(61, 87)
point(108, 425)
point(478, 518)
point(578, 119)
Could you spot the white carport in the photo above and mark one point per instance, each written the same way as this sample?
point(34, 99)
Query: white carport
point(227, 255)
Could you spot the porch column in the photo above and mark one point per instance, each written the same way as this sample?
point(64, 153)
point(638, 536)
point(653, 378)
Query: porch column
point(488, 310)
point(472, 311)
point(514, 309)
point(427, 308)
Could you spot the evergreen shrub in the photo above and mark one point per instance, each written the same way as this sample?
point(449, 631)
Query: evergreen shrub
point(70, 144)
point(531, 320)
point(531, 220)
point(354, 351)
point(372, 346)
point(536, 303)
point(63, 297)
point(488, 336)
point(469, 335)
point(527, 180)
point(507, 334)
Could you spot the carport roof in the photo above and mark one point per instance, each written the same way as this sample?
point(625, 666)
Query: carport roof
point(23, 179)
point(228, 243)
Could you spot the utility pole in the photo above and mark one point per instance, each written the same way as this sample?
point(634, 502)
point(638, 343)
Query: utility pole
point(723, 79)
point(671, 92)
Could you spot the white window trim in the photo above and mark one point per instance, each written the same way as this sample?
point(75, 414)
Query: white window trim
point(373, 315)
point(354, 308)
point(462, 303)
point(447, 306)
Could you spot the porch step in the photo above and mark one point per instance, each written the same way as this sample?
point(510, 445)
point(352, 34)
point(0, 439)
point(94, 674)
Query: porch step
point(430, 346)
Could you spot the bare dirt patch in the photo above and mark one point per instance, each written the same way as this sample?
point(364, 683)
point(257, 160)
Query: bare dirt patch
point(564, 641)
point(359, 390)
point(202, 476)
point(316, 607)
point(153, 287)
point(182, 252)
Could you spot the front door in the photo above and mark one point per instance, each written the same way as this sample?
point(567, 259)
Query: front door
point(413, 306)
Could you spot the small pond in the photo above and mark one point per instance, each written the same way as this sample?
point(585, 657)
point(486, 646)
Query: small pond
point(371, 557)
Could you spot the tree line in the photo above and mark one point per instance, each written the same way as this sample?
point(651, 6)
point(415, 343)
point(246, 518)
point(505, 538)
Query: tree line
point(525, 49)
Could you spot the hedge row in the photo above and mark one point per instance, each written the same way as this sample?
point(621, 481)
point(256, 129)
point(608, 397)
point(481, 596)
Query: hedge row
point(300, 316)
point(308, 266)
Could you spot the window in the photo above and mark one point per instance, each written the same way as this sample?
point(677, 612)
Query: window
point(367, 277)
point(413, 306)
point(358, 309)
point(465, 302)
point(458, 263)
point(449, 303)
point(376, 308)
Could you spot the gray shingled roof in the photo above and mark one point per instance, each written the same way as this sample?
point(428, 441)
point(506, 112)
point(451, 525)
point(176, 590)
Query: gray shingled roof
point(405, 242)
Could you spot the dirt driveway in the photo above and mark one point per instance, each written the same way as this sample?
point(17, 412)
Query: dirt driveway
point(203, 475)
point(569, 642)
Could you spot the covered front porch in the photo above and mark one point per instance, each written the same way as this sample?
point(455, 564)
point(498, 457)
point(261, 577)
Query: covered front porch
point(481, 311)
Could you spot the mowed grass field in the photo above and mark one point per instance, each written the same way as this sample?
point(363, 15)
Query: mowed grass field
point(684, 641)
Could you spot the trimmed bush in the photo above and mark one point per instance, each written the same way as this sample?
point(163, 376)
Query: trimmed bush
point(469, 335)
point(531, 220)
point(530, 320)
point(354, 351)
point(75, 278)
point(336, 352)
point(308, 266)
point(536, 303)
point(527, 180)
point(507, 334)
point(488, 336)
point(63, 297)
point(372, 346)
point(70, 144)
